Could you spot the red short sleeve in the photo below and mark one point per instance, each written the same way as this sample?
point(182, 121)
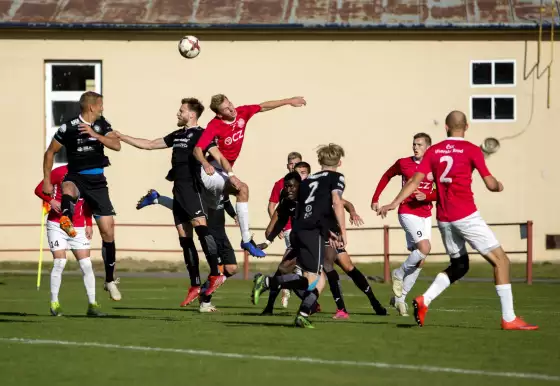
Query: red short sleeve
point(208, 135)
point(276, 191)
point(479, 163)
point(249, 110)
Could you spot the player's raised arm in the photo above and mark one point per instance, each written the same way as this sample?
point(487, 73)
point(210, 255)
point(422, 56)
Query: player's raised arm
point(141, 143)
point(355, 218)
point(294, 101)
point(109, 139)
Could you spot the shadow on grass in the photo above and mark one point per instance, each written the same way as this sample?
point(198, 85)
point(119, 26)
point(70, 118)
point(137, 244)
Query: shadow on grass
point(18, 314)
point(16, 321)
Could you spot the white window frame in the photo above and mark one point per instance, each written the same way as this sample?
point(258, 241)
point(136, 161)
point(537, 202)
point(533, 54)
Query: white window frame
point(492, 63)
point(64, 96)
point(492, 112)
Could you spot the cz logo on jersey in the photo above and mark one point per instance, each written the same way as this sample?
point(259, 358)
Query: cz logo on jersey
point(234, 138)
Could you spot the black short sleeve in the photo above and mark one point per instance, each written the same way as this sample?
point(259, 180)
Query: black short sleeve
point(337, 182)
point(60, 134)
point(168, 139)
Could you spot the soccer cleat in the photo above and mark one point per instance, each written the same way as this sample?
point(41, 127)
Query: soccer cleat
point(215, 283)
point(303, 322)
point(207, 307)
point(259, 286)
point(191, 296)
point(341, 314)
point(56, 309)
point(285, 297)
point(114, 292)
point(420, 310)
point(518, 324)
point(67, 226)
point(148, 199)
point(252, 248)
point(397, 284)
point(95, 310)
point(401, 307)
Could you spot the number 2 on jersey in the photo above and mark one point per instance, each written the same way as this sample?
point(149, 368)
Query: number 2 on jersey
point(449, 163)
point(314, 185)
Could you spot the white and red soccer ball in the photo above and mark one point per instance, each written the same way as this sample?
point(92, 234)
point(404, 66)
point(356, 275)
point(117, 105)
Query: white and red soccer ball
point(189, 47)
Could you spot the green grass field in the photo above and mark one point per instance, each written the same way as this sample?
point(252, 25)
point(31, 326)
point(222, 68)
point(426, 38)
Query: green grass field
point(462, 343)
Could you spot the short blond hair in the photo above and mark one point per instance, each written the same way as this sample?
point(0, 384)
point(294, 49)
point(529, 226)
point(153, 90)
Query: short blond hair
point(330, 155)
point(216, 102)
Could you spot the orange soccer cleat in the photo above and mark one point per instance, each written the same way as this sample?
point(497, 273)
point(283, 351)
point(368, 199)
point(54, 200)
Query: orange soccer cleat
point(420, 310)
point(518, 324)
point(67, 226)
point(191, 296)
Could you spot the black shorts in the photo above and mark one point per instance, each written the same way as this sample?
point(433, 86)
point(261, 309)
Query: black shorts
point(309, 246)
point(226, 253)
point(187, 202)
point(93, 189)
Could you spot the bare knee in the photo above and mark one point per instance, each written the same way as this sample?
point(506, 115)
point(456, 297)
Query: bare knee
point(424, 247)
point(106, 226)
point(497, 257)
point(243, 193)
point(68, 188)
point(231, 269)
point(286, 266)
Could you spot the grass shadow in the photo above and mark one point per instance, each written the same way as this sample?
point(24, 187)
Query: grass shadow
point(125, 317)
point(18, 314)
point(17, 321)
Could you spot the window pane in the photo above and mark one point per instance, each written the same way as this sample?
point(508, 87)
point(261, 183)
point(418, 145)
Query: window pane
point(482, 73)
point(503, 73)
point(503, 108)
point(72, 78)
point(481, 108)
point(63, 111)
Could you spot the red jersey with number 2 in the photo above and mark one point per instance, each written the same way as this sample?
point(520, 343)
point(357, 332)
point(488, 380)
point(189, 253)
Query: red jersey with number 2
point(230, 135)
point(452, 163)
point(406, 167)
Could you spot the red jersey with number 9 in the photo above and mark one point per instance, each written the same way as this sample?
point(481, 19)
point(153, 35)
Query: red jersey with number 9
point(452, 162)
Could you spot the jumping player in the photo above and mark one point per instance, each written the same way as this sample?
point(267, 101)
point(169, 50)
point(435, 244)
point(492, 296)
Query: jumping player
point(415, 217)
point(216, 227)
point(59, 241)
point(228, 128)
point(85, 138)
point(189, 210)
point(452, 162)
point(318, 196)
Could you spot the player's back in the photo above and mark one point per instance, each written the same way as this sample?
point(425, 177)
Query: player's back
point(452, 162)
point(315, 200)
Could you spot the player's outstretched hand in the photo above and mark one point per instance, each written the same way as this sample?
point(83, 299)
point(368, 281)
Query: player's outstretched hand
point(55, 205)
point(89, 232)
point(85, 128)
point(419, 195)
point(356, 220)
point(297, 101)
point(500, 186)
point(384, 209)
point(375, 206)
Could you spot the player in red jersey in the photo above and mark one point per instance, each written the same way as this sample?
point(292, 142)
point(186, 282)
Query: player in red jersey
point(228, 129)
point(59, 241)
point(415, 217)
point(452, 162)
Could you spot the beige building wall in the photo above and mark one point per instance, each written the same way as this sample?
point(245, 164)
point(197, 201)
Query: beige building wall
point(370, 94)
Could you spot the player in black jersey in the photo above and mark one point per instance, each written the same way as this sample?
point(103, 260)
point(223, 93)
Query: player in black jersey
point(85, 138)
point(189, 209)
point(318, 196)
point(216, 227)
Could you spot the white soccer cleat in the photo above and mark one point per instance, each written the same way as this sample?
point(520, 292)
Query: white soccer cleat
point(113, 290)
point(401, 307)
point(207, 307)
point(397, 284)
point(285, 297)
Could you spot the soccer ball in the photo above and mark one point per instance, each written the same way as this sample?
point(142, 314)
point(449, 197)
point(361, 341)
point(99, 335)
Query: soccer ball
point(189, 47)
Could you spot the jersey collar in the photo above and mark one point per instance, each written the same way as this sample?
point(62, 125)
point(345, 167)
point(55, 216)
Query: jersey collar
point(456, 138)
point(83, 120)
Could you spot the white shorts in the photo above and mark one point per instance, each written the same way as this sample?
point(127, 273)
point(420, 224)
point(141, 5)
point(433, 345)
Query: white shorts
point(472, 229)
point(214, 184)
point(287, 238)
point(59, 240)
point(416, 229)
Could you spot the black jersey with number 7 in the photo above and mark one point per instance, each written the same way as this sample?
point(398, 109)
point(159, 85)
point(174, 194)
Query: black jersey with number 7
point(315, 200)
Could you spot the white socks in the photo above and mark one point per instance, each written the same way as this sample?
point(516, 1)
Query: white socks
point(506, 299)
point(242, 209)
point(439, 285)
point(89, 278)
point(409, 265)
point(56, 278)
